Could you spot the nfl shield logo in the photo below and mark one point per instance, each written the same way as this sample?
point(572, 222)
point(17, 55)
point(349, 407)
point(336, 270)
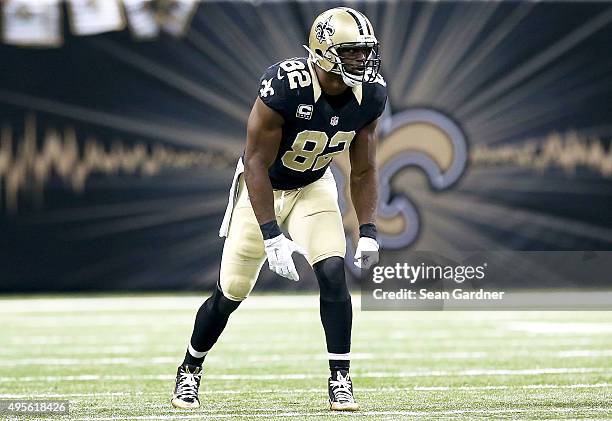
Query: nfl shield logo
point(334, 121)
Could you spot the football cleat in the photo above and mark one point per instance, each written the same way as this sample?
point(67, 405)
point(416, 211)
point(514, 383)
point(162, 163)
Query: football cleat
point(187, 385)
point(340, 389)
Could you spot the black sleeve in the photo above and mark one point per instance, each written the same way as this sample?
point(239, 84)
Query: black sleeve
point(380, 97)
point(273, 91)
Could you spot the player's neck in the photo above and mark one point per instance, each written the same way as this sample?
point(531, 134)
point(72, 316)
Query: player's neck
point(330, 83)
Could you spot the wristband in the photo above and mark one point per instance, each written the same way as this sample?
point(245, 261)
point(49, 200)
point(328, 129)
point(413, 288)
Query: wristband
point(270, 230)
point(368, 230)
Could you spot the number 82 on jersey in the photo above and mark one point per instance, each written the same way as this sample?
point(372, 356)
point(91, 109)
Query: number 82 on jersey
point(300, 158)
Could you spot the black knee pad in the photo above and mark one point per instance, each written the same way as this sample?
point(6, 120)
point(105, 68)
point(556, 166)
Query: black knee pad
point(221, 304)
point(332, 280)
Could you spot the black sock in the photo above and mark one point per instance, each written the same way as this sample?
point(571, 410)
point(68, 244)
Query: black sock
point(191, 360)
point(210, 321)
point(335, 365)
point(337, 318)
point(336, 310)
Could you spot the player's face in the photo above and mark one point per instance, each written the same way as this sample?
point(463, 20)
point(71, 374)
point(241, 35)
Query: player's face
point(354, 59)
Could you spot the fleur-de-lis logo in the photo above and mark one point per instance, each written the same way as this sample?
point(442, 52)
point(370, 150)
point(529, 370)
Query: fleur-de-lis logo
point(266, 88)
point(324, 30)
point(415, 138)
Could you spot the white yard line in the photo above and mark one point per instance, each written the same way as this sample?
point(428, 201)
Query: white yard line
point(320, 390)
point(85, 304)
point(359, 414)
point(564, 328)
point(269, 358)
point(88, 361)
point(570, 353)
point(140, 303)
point(65, 395)
point(76, 339)
point(139, 341)
point(401, 374)
point(70, 351)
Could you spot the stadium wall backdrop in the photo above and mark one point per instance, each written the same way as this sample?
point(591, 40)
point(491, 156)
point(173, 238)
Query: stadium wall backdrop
point(116, 154)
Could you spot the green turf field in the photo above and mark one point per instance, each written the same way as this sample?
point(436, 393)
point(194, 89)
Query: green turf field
point(114, 358)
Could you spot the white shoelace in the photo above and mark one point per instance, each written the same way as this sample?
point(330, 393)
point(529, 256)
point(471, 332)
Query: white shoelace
point(188, 385)
point(341, 388)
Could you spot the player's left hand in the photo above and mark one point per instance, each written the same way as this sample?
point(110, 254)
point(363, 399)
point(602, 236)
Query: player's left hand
point(366, 255)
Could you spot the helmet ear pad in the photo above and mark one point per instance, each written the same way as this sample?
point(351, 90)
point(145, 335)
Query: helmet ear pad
point(326, 61)
point(331, 55)
point(326, 56)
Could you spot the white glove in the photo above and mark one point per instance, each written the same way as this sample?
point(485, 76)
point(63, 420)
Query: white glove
point(366, 254)
point(279, 250)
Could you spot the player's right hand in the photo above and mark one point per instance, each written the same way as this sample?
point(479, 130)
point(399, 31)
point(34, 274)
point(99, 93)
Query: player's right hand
point(279, 250)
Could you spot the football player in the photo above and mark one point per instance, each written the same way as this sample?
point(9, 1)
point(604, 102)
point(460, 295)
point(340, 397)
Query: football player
point(308, 110)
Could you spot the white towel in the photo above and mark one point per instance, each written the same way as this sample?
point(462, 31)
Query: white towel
point(233, 195)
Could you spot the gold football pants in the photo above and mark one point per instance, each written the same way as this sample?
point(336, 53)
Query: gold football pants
point(310, 214)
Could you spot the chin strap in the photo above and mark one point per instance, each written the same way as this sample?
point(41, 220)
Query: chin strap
point(351, 83)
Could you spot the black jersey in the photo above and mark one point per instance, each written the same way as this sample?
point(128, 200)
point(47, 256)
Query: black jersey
point(317, 126)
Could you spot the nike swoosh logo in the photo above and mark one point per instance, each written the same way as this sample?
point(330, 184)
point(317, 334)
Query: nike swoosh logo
point(278, 74)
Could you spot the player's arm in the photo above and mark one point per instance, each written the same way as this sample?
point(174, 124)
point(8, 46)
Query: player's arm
point(264, 133)
point(364, 186)
point(364, 192)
